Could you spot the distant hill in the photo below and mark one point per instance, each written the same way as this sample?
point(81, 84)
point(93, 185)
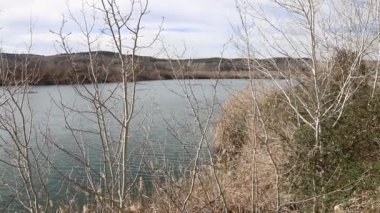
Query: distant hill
point(74, 68)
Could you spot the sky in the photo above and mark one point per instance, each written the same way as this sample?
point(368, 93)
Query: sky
point(201, 27)
point(190, 28)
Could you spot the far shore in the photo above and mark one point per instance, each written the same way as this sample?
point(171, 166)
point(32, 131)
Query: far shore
point(66, 69)
point(192, 75)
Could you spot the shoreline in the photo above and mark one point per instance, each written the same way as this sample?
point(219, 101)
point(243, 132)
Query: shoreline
point(196, 76)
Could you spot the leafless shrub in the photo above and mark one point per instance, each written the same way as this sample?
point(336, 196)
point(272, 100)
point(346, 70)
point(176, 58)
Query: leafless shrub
point(24, 166)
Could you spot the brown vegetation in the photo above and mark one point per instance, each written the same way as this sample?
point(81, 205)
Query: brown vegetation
point(263, 167)
point(251, 154)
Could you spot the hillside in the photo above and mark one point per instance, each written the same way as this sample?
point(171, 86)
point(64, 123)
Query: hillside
point(74, 68)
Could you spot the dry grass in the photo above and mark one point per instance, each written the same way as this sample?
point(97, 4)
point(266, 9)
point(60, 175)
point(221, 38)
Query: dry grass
point(254, 145)
point(252, 149)
point(364, 201)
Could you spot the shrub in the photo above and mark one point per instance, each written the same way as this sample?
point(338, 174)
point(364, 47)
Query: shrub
point(350, 160)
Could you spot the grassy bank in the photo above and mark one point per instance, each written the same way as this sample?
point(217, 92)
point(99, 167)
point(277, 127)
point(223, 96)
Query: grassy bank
point(267, 155)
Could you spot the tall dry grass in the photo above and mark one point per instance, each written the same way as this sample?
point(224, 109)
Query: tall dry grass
point(252, 148)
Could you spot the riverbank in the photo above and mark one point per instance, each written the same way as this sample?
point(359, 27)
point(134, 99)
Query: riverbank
point(268, 162)
point(74, 68)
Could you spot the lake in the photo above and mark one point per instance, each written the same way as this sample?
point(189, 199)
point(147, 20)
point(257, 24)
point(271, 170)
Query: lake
point(164, 128)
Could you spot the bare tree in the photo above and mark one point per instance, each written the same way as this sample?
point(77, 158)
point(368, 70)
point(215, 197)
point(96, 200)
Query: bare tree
point(24, 168)
point(311, 37)
point(112, 184)
point(203, 110)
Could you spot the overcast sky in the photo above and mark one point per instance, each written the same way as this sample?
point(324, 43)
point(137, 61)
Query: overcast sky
point(203, 26)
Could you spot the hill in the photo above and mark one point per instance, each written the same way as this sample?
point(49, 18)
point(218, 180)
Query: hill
point(74, 68)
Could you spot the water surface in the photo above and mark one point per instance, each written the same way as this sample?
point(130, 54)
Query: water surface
point(165, 126)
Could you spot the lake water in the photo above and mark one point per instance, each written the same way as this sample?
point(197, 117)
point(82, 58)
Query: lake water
point(164, 128)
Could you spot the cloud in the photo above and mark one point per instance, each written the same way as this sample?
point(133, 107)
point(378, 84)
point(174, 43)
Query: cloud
point(204, 25)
